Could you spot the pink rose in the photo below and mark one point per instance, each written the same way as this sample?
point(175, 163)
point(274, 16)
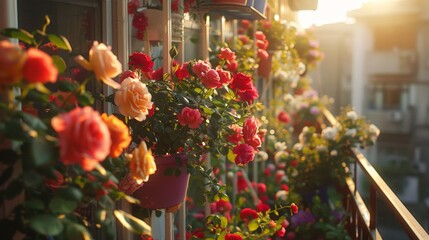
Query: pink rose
point(241, 81)
point(211, 79)
point(226, 54)
point(237, 136)
point(83, 137)
point(225, 76)
point(39, 67)
point(133, 99)
point(139, 60)
point(245, 153)
point(260, 35)
point(200, 68)
point(262, 54)
point(244, 39)
point(191, 117)
point(262, 44)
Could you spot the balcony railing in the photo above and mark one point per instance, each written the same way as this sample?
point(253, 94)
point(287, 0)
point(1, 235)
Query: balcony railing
point(362, 222)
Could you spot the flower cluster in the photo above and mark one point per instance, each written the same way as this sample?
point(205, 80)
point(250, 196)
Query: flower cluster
point(193, 110)
point(59, 141)
point(308, 48)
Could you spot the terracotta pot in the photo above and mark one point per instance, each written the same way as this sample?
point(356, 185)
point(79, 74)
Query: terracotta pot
point(264, 68)
point(165, 191)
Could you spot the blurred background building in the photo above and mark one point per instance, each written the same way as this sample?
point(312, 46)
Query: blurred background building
point(379, 63)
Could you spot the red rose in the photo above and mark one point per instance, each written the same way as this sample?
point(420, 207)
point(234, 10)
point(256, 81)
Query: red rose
point(294, 208)
point(39, 67)
point(233, 236)
point(283, 117)
point(183, 71)
point(262, 207)
point(284, 187)
point(241, 182)
point(140, 21)
point(226, 54)
point(247, 214)
point(132, 6)
point(281, 232)
point(198, 233)
point(190, 117)
point(248, 95)
point(250, 130)
point(245, 23)
point(55, 183)
point(127, 74)
point(232, 66)
point(139, 60)
point(245, 153)
point(244, 39)
point(262, 188)
point(158, 74)
point(223, 206)
point(241, 81)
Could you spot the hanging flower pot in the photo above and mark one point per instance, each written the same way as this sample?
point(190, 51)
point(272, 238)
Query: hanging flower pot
point(167, 188)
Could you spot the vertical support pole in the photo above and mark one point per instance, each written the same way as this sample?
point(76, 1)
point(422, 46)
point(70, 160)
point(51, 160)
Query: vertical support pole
point(222, 29)
point(182, 220)
point(205, 32)
point(169, 226)
point(166, 15)
point(373, 208)
point(158, 225)
point(207, 209)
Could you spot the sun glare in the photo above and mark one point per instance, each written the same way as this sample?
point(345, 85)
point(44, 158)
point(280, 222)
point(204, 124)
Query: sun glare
point(328, 11)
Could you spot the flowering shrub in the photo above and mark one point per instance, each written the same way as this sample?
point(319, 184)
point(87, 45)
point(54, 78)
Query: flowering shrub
point(52, 151)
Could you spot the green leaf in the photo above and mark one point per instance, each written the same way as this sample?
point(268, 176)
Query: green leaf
point(85, 99)
point(34, 204)
point(31, 179)
point(6, 174)
point(76, 232)
point(60, 42)
point(8, 156)
point(223, 222)
point(33, 122)
point(20, 34)
point(253, 225)
point(59, 63)
point(46, 224)
point(132, 223)
point(43, 151)
point(60, 205)
point(71, 193)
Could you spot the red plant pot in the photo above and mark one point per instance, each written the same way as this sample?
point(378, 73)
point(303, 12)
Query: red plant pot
point(165, 191)
point(264, 68)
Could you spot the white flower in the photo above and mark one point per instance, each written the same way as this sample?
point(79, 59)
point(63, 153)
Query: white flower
point(350, 132)
point(282, 75)
point(280, 146)
point(334, 153)
point(280, 156)
point(281, 195)
point(374, 130)
point(262, 155)
point(297, 146)
point(330, 133)
point(352, 115)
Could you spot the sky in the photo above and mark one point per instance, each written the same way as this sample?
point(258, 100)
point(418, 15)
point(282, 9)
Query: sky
point(328, 11)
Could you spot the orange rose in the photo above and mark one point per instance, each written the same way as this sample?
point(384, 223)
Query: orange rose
point(83, 136)
point(142, 163)
point(12, 59)
point(133, 99)
point(39, 67)
point(103, 62)
point(119, 134)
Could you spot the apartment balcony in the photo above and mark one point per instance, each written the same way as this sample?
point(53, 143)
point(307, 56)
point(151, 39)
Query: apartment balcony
point(392, 63)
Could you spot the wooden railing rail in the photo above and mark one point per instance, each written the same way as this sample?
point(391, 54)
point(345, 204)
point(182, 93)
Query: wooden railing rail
point(378, 187)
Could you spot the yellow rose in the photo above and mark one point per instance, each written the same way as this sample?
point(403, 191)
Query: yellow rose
point(103, 62)
point(133, 99)
point(142, 163)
